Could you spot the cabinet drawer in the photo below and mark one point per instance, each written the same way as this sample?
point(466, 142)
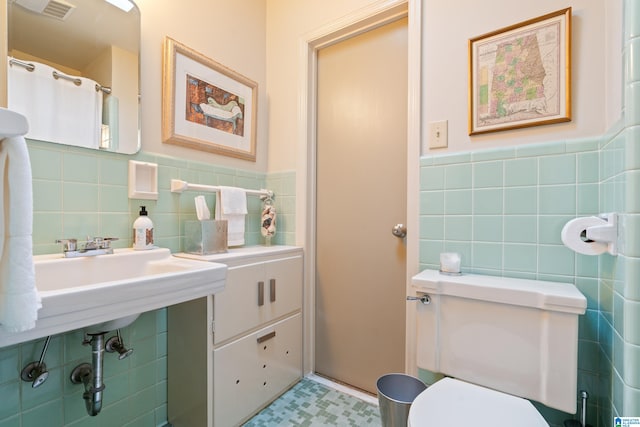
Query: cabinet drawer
point(255, 294)
point(254, 370)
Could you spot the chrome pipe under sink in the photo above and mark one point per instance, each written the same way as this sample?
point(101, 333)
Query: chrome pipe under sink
point(91, 375)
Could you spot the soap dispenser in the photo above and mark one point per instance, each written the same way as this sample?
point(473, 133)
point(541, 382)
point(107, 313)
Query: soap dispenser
point(143, 231)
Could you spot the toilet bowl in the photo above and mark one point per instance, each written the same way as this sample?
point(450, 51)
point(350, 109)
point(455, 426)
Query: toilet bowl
point(451, 402)
point(499, 341)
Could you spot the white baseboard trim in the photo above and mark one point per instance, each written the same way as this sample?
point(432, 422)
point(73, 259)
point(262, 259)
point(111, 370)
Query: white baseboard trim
point(344, 389)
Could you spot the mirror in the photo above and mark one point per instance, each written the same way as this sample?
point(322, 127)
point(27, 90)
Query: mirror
point(94, 47)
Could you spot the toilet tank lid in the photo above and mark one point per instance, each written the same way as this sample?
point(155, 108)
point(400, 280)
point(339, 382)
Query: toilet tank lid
point(551, 296)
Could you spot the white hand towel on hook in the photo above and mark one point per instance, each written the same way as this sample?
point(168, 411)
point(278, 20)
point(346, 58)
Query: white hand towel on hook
point(19, 299)
point(231, 204)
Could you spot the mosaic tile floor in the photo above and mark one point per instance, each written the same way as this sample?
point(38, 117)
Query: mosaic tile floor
point(309, 403)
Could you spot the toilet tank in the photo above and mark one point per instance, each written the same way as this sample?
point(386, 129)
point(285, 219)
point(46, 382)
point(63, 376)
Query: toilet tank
point(513, 335)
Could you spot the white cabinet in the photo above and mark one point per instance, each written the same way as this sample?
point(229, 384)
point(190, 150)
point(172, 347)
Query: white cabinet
point(255, 369)
point(231, 354)
point(257, 293)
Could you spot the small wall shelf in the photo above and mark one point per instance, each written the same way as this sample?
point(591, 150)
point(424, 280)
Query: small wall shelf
point(143, 180)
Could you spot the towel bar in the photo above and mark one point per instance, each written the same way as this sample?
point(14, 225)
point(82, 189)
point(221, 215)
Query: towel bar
point(178, 186)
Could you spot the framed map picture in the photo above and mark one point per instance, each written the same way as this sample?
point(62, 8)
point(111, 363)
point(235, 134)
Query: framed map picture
point(520, 76)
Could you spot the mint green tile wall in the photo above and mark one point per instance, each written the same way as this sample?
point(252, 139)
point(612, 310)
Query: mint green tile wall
point(283, 184)
point(503, 211)
point(620, 278)
point(77, 193)
point(136, 387)
point(81, 193)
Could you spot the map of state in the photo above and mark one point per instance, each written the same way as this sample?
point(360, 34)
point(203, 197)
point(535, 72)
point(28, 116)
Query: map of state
point(518, 77)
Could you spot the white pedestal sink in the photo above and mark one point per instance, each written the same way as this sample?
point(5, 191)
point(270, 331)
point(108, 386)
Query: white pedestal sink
point(109, 291)
point(111, 325)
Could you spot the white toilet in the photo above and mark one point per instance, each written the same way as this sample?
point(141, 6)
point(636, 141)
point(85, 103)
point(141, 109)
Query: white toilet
point(498, 340)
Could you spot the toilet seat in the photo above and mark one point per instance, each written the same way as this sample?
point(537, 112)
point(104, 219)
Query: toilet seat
point(457, 403)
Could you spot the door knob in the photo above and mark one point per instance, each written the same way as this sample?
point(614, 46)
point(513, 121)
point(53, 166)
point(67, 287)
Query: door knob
point(399, 230)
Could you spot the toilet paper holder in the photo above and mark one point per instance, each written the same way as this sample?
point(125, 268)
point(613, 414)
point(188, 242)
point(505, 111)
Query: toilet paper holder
point(605, 233)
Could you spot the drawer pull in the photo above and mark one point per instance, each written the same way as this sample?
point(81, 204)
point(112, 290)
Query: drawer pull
point(272, 290)
point(266, 337)
point(260, 294)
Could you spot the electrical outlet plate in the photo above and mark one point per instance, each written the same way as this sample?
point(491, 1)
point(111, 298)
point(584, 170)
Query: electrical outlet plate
point(438, 135)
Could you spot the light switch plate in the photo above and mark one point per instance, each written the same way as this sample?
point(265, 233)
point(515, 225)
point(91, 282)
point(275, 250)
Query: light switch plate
point(438, 134)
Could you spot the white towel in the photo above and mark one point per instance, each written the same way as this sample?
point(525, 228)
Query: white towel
point(12, 124)
point(19, 299)
point(57, 109)
point(231, 204)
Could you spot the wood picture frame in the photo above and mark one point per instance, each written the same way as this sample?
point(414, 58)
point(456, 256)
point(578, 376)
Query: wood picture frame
point(207, 106)
point(520, 76)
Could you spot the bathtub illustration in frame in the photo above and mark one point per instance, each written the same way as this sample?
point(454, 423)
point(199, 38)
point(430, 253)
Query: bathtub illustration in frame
point(207, 106)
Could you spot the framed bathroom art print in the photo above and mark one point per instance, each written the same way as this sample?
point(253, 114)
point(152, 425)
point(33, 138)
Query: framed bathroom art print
point(207, 106)
point(520, 76)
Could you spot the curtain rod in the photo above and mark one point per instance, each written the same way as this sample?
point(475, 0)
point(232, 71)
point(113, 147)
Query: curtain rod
point(58, 75)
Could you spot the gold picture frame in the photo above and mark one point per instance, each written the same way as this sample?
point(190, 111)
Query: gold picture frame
point(207, 106)
point(520, 76)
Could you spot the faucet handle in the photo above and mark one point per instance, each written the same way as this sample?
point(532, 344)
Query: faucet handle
point(69, 244)
point(92, 243)
point(106, 241)
point(100, 242)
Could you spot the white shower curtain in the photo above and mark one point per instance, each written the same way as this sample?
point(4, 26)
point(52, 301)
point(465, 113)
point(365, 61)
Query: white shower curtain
point(57, 109)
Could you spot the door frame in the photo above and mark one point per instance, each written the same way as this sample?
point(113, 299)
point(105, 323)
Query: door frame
point(368, 18)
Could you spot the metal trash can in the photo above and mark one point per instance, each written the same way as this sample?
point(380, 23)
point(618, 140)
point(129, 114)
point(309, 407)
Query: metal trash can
point(396, 393)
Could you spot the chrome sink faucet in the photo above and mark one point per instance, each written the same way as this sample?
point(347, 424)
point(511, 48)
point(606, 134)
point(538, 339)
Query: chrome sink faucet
point(92, 247)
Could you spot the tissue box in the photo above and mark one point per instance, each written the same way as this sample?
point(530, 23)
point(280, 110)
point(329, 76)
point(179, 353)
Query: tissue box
point(205, 237)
